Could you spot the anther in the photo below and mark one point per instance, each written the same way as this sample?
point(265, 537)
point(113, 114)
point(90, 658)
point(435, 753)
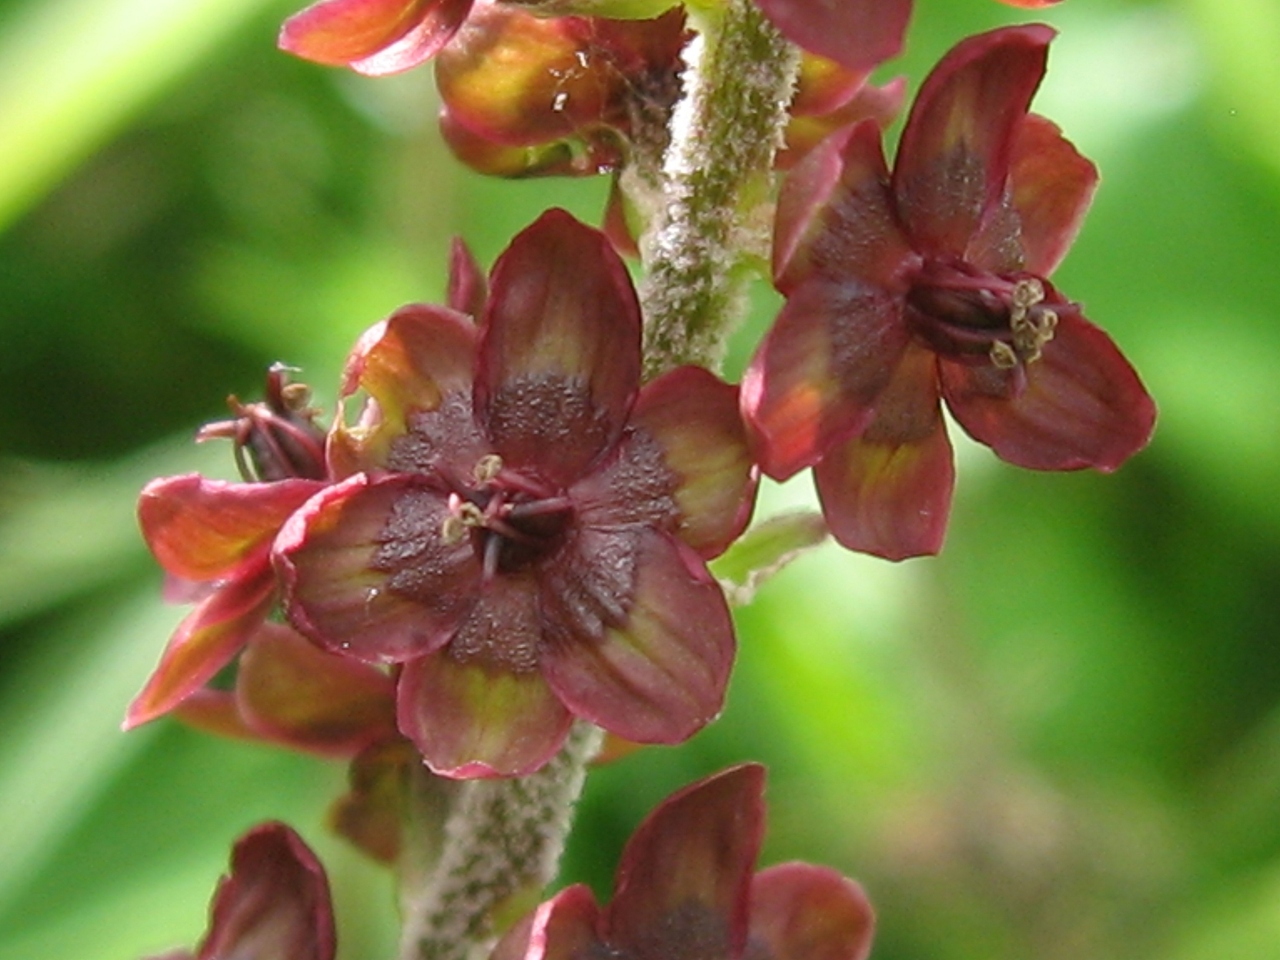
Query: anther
point(487, 468)
point(1002, 355)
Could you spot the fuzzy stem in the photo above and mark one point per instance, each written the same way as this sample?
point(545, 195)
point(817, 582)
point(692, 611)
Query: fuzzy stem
point(502, 841)
point(739, 78)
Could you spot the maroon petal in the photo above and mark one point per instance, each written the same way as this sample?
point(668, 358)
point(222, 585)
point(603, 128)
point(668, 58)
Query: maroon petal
point(836, 217)
point(373, 37)
point(1080, 405)
point(803, 912)
point(367, 574)
point(274, 904)
point(203, 644)
point(562, 928)
point(954, 158)
point(888, 491)
point(560, 356)
point(1052, 187)
point(816, 375)
point(858, 34)
point(209, 529)
point(659, 676)
point(291, 692)
point(683, 466)
point(685, 873)
point(468, 287)
point(418, 360)
point(475, 719)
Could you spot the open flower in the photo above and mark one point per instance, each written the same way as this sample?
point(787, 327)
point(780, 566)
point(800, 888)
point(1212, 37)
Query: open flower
point(685, 888)
point(274, 904)
point(521, 527)
point(213, 538)
point(931, 282)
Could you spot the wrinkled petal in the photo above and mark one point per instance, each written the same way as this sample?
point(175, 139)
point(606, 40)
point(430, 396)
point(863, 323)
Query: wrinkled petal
point(694, 418)
point(367, 574)
point(210, 529)
point(816, 375)
point(562, 928)
point(591, 584)
point(685, 874)
point(374, 37)
point(468, 287)
point(836, 217)
point(858, 34)
point(803, 912)
point(560, 356)
point(472, 719)
point(274, 904)
point(1080, 405)
point(294, 693)
point(1052, 187)
point(659, 676)
point(415, 361)
point(888, 491)
point(954, 157)
point(203, 644)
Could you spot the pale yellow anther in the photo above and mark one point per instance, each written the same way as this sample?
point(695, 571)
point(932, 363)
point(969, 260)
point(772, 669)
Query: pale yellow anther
point(487, 468)
point(452, 530)
point(1027, 292)
point(1002, 355)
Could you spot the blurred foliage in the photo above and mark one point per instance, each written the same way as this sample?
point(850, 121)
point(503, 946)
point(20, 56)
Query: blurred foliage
point(1061, 739)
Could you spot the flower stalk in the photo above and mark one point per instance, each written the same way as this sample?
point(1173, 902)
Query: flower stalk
point(739, 77)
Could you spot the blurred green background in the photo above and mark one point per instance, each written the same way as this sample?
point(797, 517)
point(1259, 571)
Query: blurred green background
point(1061, 739)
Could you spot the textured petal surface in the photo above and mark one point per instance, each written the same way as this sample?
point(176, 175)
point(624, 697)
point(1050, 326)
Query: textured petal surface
point(419, 359)
point(1080, 405)
point(954, 158)
point(560, 357)
point(373, 36)
point(563, 928)
point(209, 529)
point(816, 375)
point(367, 574)
point(888, 492)
point(660, 675)
point(203, 644)
point(1052, 186)
point(471, 719)
point(274, 904)
point(296, 694)
point(802, 912)
point(858, 34)
point(692, 419)
point(683, 881)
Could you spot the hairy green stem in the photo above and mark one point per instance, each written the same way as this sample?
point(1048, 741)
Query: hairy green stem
point(739, 78)
point(500, 845)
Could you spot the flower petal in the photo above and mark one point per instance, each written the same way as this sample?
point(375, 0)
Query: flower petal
point(417, 360)
point(560, 355)
point(859, 34)
point(473, 719)
point(1080, 405)
point(468, 287)
point(203, 644)
point(367, 574)
point(562, 928)
point(803, 912)
point(297, 695)
point(693, 416)
point(1052, 188)
point(888, 491)
point(816, 375)
point(275, 903)
point(210, 529)
point(685, 873)
point(374, 37)
point(954, 157)
point(371, 814)
point(659, 676)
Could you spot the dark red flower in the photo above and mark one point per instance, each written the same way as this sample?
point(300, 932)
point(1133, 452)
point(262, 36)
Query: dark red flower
point(520, 526)
point(373, 37)
point(214, 538)
point(931, 282)
point(273, 905)
point(685, 888)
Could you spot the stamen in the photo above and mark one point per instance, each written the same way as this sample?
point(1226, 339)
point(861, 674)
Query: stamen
point(1027, 292)
point(1002, 355)
point(487, 468)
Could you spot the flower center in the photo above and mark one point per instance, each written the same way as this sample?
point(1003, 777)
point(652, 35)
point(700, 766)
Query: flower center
point(978, 317)
point(512, 520)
